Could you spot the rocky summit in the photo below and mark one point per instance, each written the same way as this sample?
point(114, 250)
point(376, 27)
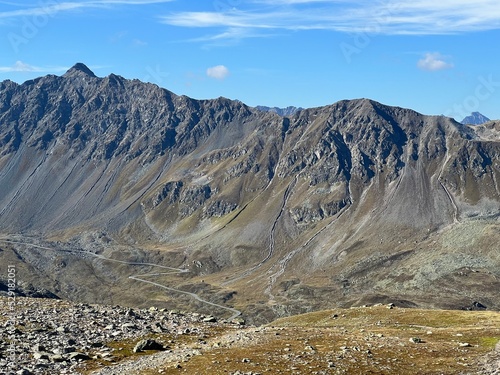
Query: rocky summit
point(119, 191)
point(475, 118)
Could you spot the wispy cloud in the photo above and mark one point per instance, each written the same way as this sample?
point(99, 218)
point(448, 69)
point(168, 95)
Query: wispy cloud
point(52, 8)
point(230, 36)
point(139, 43)
point(293, 2)
point(393, 17)
point(214, 19)
point(132, 2)
point(41, 10)
point(218, 72)
point(21, 67)
point(433, 62)
point(118, 36)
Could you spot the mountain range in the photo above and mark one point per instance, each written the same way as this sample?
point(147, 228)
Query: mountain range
point(346, 204)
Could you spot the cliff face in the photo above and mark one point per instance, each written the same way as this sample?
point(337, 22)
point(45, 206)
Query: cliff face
point(355, 200)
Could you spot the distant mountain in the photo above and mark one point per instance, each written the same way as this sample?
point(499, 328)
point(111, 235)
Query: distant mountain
point(475, 118)
point(351, 203)
point(288, 111)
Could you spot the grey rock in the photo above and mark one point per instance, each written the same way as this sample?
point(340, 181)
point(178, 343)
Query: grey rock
point(77, 356)
point(41, 355)
point(148, 344)
point(39, 348)
point(239, 321)
point(128, 326)
point(57, 358)
point(157, 327)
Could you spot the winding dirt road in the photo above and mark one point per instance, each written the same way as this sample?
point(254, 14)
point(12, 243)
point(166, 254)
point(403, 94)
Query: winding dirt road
point(140, 277)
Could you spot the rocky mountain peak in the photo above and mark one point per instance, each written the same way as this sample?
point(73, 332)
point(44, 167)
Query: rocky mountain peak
point(475, 118)
point(78, 69)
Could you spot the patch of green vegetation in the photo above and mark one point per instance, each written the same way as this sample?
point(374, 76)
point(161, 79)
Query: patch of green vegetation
point(489, 341)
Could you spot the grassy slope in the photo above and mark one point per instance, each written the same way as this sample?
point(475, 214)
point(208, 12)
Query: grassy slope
point(371, 340)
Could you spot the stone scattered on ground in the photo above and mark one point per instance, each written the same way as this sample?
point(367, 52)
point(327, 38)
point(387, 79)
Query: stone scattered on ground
point(57, 337)
point(51, 336)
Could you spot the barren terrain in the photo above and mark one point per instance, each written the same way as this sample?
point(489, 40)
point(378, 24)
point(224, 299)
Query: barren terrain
point(59, 337)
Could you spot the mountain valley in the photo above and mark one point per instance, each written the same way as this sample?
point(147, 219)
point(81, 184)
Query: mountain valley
point(106, 179)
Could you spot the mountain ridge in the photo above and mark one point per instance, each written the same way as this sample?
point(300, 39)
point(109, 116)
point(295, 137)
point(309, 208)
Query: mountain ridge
point(276, 212)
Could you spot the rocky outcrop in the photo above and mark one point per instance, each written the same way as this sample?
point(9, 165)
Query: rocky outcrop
point(148, 344)
point(308, 214)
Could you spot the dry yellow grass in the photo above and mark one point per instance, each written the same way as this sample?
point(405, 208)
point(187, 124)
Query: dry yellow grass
point(370, 340)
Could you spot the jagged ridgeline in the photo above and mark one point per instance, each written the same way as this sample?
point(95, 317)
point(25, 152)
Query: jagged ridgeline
point(351, 202)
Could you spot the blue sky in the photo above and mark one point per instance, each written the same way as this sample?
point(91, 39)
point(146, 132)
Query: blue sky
point(437, 57)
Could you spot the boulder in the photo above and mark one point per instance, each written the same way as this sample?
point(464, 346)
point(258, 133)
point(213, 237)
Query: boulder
point(148, 344)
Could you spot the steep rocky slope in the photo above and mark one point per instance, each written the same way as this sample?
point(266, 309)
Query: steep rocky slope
point(344, 204)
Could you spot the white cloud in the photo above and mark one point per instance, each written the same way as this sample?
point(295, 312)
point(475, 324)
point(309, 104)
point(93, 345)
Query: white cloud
point(216, 19)
point(131, 2)
point(418, 17)
point(433, 62)
point(54, 7)
point(21, 67)
point(230, 36)
point(218, 72)
point(290, 2)
point(394, 17)
point(48, 10)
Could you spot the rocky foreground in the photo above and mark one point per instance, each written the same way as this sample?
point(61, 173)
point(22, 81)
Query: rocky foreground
point(46, 336)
